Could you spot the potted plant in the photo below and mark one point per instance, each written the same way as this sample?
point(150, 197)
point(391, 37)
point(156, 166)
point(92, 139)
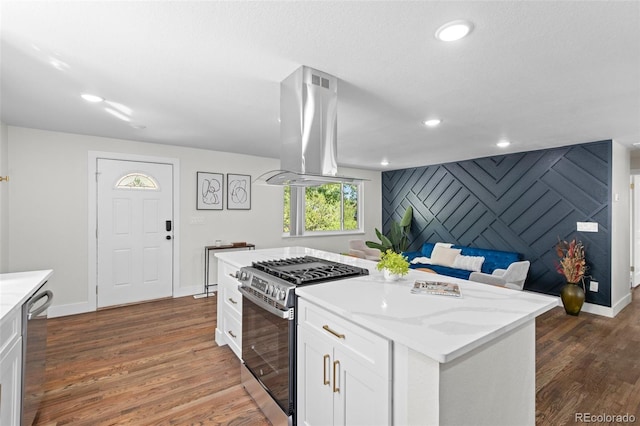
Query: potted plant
point(398, 238)
point(573, 266)
point(393, 265)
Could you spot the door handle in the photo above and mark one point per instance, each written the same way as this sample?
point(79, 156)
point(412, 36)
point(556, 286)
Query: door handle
point(168, 237)
point(167, 225)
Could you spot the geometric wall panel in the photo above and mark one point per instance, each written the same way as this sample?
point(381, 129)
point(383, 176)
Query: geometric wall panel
point(519, 202)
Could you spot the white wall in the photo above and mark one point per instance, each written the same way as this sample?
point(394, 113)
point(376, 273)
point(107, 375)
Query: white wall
point(4, 200)
point(620, 228)
point(48, 211)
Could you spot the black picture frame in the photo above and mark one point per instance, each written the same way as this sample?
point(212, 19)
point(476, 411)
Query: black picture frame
point(210, 191)
point(238, 192)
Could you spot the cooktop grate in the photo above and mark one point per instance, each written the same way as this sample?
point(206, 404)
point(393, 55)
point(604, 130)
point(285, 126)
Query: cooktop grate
point(308, 269)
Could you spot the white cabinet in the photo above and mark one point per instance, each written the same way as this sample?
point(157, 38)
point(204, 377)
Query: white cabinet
point(229, 325)
point(11, 368)
point(343, 371)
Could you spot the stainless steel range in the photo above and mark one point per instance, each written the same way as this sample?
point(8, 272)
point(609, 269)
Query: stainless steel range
point(269, 327)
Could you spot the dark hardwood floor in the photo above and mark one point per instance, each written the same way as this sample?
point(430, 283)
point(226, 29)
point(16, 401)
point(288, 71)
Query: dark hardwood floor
point(154, 363)
point(157, 364)
point(588, 364)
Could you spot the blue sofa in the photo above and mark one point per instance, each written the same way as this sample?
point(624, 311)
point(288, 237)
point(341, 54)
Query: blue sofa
point(493, 259)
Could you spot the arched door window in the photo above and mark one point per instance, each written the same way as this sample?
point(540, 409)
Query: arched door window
point(137, 181)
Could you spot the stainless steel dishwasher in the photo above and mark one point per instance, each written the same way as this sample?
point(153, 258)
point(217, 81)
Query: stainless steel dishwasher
point(34, 348)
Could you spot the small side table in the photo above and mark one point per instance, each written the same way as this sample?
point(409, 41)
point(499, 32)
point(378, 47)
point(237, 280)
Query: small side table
point(207, 249)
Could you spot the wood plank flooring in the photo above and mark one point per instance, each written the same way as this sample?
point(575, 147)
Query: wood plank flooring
point(157, 364)
point(149, 364)
point(587, 364)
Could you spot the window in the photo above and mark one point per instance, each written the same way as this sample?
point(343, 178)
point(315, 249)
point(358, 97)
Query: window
point(137, 181)
point(333, 207)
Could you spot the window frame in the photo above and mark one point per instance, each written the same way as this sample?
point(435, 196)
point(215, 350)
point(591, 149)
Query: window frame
point(297, 213)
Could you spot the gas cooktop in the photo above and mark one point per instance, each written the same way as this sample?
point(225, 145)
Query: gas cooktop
point(308, 269)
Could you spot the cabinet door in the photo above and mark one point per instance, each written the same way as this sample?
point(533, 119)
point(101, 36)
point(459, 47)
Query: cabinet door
point(10, 384)
point(362, 396)
point(229, 319)
point(314, 379)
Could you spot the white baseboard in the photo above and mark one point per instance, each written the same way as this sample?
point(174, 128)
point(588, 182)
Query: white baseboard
point(604, 311)
point(622, 303)
point(70, 309)
point(84, 307)
point(591, 308)
point(188, 291)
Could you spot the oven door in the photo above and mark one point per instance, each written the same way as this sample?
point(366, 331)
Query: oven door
point(268, 348)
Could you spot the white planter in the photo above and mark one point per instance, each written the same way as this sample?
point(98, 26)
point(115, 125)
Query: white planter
point(389, 276)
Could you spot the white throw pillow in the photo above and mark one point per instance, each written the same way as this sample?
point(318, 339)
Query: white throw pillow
point(446, 245)
point(469, 263)
point(444, 256)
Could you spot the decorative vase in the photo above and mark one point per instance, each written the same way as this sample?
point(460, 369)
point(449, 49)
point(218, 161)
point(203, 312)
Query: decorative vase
point(389, 276)
point(572, 296)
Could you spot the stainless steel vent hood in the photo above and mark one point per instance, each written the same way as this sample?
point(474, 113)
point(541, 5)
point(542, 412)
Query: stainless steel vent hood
point(308, 131)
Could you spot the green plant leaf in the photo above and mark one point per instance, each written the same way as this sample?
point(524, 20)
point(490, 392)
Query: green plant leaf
point(374, 245)
point(406, 219)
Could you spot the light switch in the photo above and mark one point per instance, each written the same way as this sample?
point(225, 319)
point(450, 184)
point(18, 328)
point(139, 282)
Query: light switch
point(587, 226)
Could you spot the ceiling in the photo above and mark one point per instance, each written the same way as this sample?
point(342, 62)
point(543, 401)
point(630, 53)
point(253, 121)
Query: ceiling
point(206, 74)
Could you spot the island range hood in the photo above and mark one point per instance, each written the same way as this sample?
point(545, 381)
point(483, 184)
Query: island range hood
point(308, 131)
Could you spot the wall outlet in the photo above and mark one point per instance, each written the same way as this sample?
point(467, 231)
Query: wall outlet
point(593, 286)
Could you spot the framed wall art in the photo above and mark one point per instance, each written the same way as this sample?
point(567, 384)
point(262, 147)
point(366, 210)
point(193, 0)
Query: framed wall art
point(238, 192)
point(210, 191)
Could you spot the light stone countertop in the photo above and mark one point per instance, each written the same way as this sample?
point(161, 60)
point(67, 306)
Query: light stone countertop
point(440, 327)
point(17, 287)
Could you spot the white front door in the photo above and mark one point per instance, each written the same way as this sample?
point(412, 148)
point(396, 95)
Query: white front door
point(135, 229)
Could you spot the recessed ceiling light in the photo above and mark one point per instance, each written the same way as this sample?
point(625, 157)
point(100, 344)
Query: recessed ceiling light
point(117, 114)
point(384, 163)
point(454, 30)
point(503, 144)
point(91, 98)
point(432, 123)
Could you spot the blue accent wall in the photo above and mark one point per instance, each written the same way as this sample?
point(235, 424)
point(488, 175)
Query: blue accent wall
point(518, 202)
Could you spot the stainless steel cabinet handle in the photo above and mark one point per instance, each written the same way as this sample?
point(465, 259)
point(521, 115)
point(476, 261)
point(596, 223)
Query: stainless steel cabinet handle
point(231, 334)
point(335, 333)
point(335, 383)
point(49, 295)
point(325, 361)
point(233, 301)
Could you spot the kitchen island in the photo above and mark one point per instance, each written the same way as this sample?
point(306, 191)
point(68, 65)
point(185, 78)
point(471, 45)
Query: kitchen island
point(467, 360)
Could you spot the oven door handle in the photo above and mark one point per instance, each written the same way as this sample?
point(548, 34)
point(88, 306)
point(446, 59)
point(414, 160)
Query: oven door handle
point(287, 314)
